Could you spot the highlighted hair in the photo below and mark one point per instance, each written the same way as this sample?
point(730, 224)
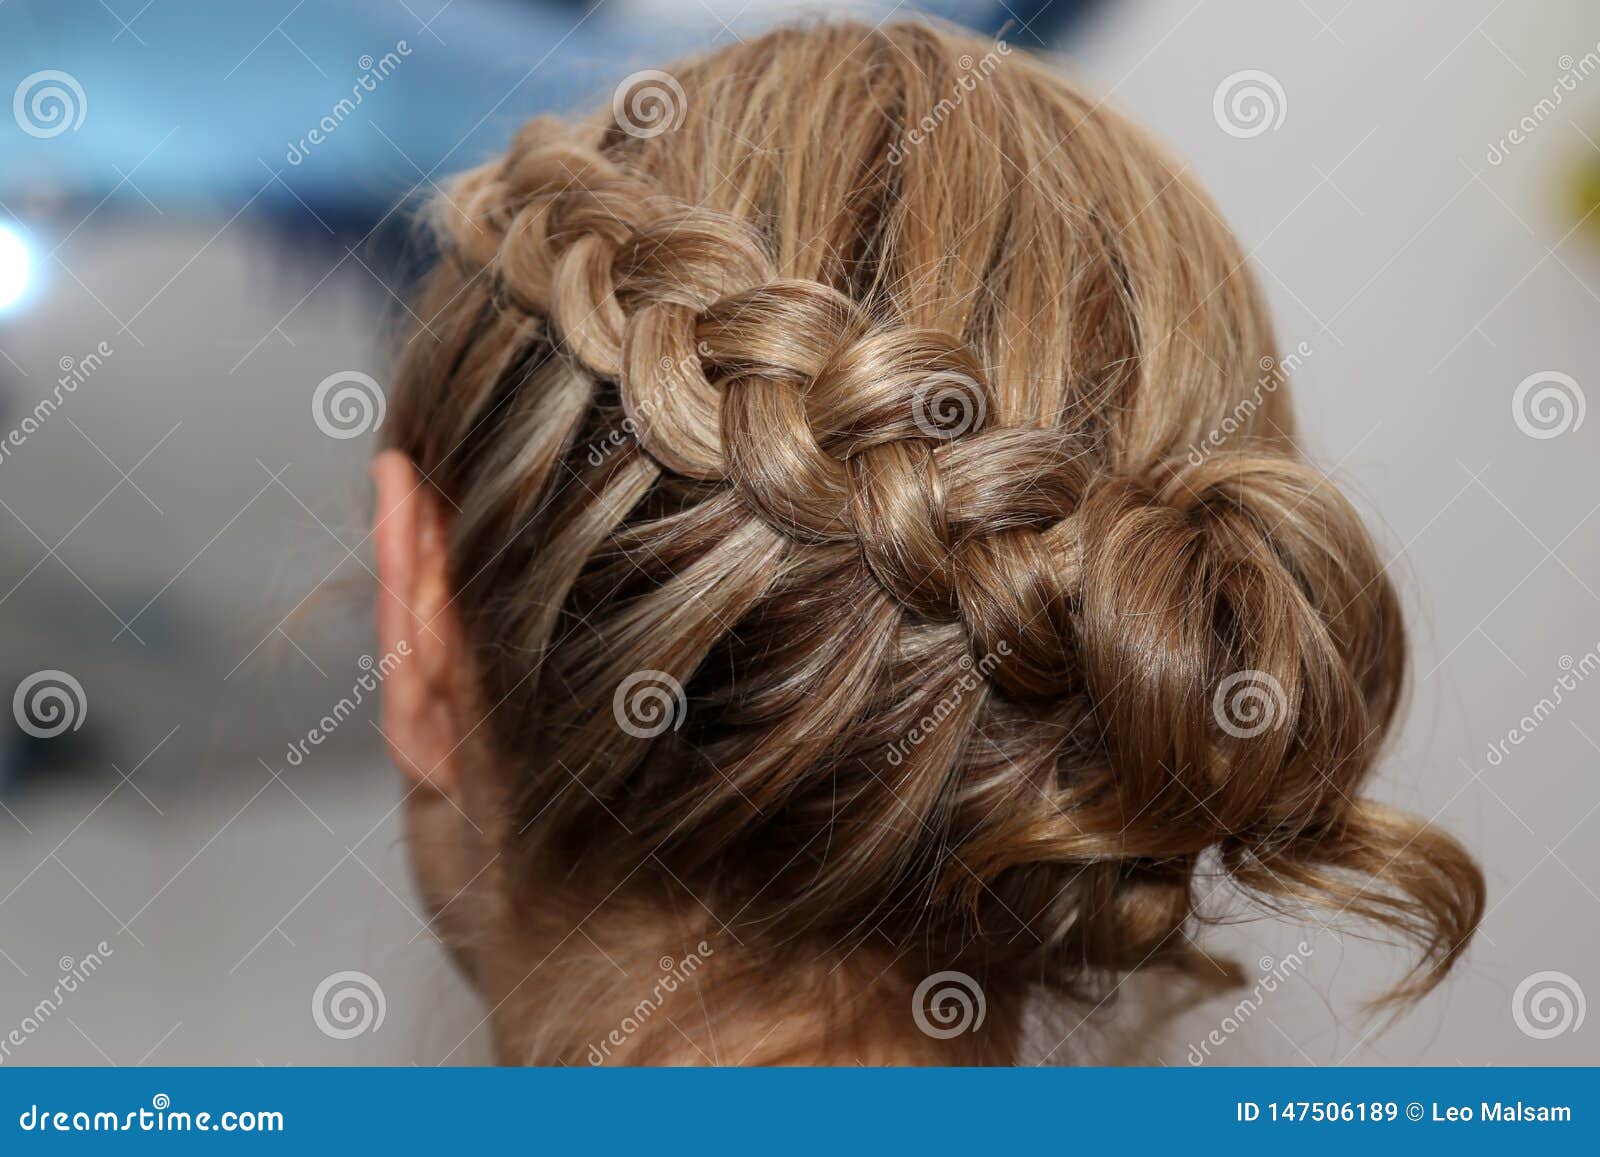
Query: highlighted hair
point(983, 667)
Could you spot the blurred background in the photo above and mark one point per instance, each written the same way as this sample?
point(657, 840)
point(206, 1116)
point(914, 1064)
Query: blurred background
point(207, 215)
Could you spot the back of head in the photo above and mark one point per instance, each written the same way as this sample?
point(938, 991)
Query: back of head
point(876, 513)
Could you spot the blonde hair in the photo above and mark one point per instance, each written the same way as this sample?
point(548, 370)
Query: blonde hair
point(870, 400)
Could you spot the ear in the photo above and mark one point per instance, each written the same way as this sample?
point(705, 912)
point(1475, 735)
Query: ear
point(418, 630)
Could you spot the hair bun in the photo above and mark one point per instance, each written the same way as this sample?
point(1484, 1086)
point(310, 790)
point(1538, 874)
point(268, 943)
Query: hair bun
point(1231, 624)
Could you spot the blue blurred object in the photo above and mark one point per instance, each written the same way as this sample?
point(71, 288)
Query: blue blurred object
point(332, 109)
point(314, 106)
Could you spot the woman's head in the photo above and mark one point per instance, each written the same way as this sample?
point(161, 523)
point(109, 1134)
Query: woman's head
point(847, 512)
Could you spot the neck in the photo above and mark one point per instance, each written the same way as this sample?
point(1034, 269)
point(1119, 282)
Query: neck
point(643, 973)
point(631, 984)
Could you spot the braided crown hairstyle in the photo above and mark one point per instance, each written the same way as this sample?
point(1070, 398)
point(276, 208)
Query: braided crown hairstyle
point(863, 408)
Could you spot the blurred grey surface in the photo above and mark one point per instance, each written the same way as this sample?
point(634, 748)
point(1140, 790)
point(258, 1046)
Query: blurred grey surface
point(161, 533)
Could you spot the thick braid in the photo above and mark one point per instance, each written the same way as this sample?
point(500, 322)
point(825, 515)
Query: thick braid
point(832, 426)
point(836, 427)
